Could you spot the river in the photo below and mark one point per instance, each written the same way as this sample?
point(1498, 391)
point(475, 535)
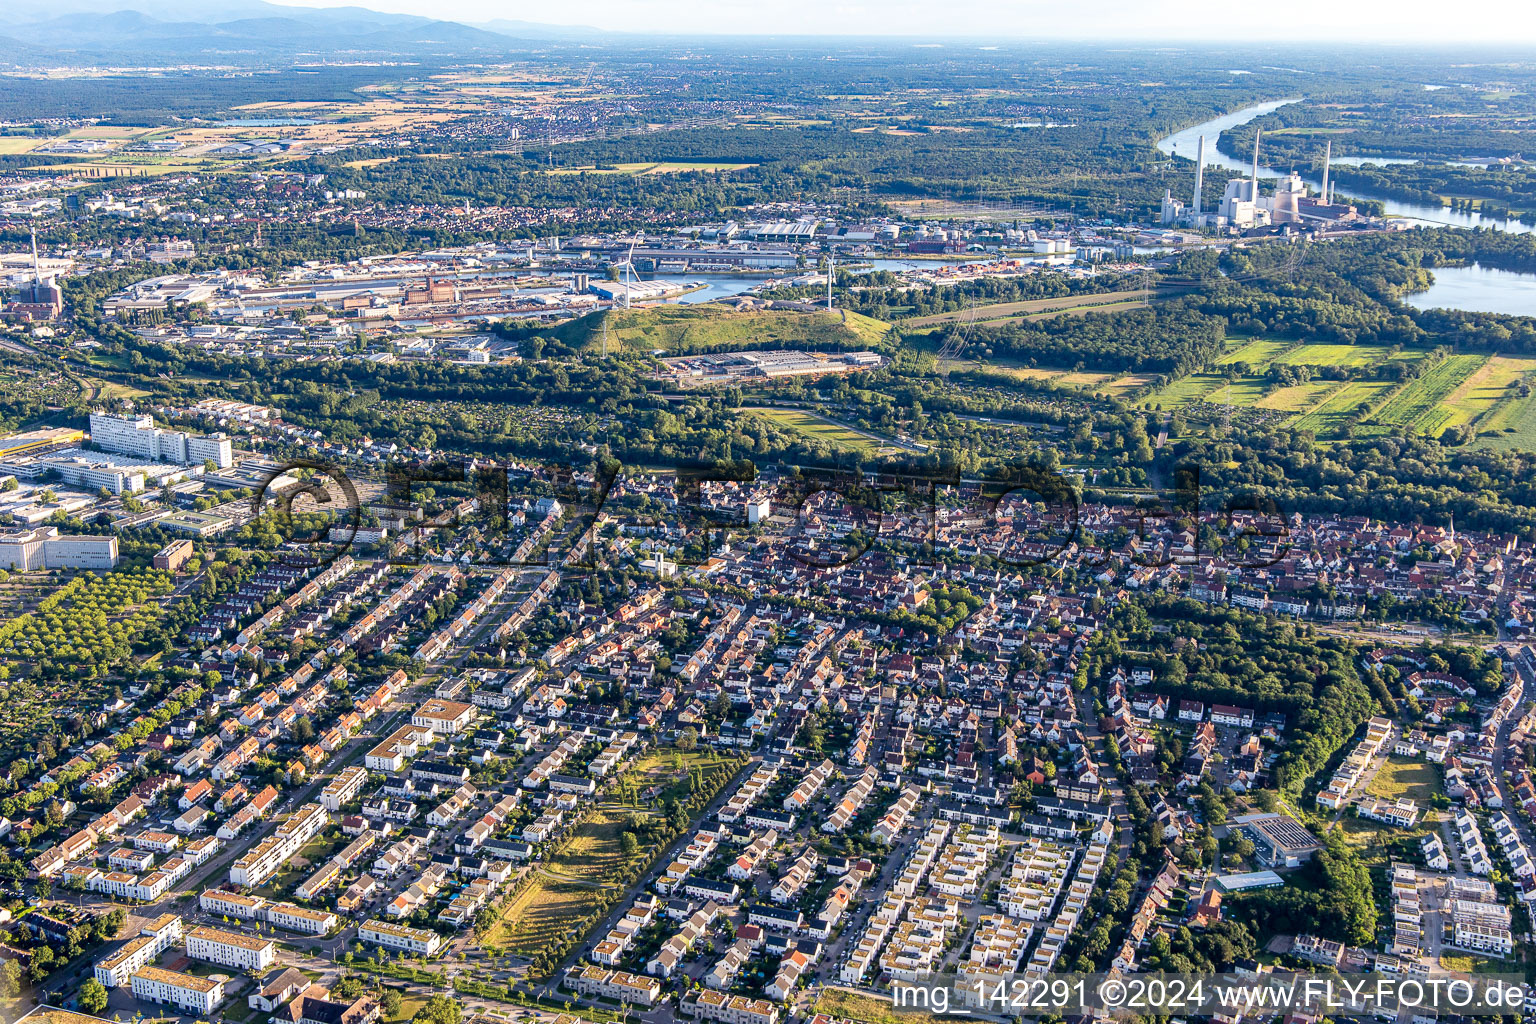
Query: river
point(1184, 144)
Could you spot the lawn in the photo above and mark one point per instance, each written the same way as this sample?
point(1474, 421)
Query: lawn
point(567, 889)
point(544, 911)
point(1402, 778)
point(410, 1003)
point(669, 769)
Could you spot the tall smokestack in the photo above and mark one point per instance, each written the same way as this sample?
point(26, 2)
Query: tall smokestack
point(1199, 174)
point(37, 273)
point(1327, 159)
point(1257, 132)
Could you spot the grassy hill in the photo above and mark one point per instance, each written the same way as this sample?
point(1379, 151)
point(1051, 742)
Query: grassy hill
point(708, 327)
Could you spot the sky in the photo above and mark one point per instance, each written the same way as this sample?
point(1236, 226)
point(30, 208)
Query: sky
point(1211, 21)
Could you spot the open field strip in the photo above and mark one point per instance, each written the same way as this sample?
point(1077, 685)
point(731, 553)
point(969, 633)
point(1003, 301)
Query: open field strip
point(1244, 391)
point(1325, 354)
point(1108, 307)
point(1255, 353)
point(1419, 404)
point(1185, 391)
point(1488, 388)
point(1010, 309)
point(1353, 399)
point(1297, 398)
point(1129, 382)
point(815, 426)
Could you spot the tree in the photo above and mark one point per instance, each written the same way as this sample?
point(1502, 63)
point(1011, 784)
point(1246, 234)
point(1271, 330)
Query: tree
point(439, 1010)
point(391, 1002)
point(93, 996)
point(689, 739)
point(10, 979)
point(628, 845)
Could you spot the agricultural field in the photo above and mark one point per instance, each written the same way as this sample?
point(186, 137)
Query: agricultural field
point(1510, 425)
point(1476, 390)
point(1356, 356)
point(1255, 353)
point(1296, 398)
point(1351, 400)
point(1185, 391)
point(1493, 385)
point(1421, 404)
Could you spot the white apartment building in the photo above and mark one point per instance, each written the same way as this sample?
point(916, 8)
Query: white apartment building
point(154, 938)
point(187, 991)
point(346, 785)
point(261, 861)
point(398, 936)
point(231, 904)
point(138, 436)
point(294, 918)
point(232, 949)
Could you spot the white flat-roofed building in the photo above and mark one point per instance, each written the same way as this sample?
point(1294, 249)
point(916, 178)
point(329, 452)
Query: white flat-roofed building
point(443, 717)
point(188, 991)
point(138, 436)
point(399, 936)
point(262, 861)
point(232, 949)
point(46, 548)
point(231, 904)
point(343, 788)
point(293, 918)
point(154, 938)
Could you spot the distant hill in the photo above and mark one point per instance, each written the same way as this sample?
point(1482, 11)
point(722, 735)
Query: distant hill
point(710, 327)
point(241, 32)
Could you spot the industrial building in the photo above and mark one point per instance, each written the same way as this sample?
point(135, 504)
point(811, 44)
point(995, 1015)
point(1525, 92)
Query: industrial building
point(92, 471)
point(1243, 205)
point(727, 367)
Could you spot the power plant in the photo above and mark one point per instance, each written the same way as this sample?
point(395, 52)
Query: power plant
point(1243, 206)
